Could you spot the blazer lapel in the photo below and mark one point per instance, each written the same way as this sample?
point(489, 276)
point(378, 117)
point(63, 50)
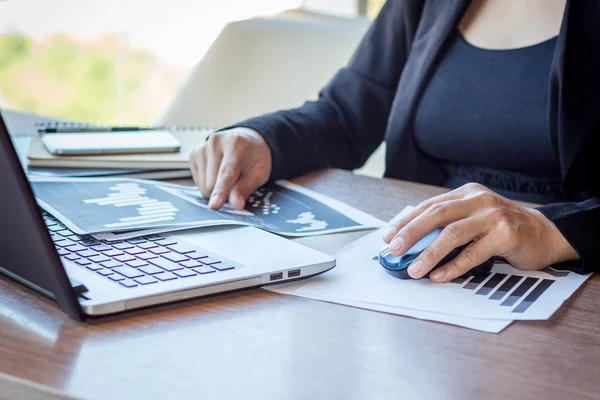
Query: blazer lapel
point(575, 83)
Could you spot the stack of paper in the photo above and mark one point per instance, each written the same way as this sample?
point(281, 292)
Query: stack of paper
point(189, 138)
point(116, 209)
point(23, 131)
point(488, 303)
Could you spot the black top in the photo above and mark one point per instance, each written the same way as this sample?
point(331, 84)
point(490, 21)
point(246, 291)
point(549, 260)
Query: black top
point(484, 116)
point(375, 98)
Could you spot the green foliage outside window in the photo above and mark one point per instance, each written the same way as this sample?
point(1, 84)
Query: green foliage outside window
point(373, 7)
point(103, 81)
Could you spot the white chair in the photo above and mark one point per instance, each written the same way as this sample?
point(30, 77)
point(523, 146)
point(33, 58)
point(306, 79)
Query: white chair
point(263, 65)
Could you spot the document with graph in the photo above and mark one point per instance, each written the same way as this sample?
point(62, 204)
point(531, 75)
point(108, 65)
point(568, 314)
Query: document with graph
point(506, 293)
point(113, 209)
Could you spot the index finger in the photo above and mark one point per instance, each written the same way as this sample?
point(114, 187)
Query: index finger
point(439, 215)
point(395, 227)
point(229, 172)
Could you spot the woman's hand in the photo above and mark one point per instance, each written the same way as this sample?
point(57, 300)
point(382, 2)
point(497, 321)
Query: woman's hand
point(232, 164)
point(496, 225)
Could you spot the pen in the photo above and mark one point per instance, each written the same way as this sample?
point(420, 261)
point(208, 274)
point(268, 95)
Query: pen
point(95, 129)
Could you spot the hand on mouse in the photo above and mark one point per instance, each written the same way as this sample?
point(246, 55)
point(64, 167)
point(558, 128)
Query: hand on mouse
point(496, 225)
point(231, 165)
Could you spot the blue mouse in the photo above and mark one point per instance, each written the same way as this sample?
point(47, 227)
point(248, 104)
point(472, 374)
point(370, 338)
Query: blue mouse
point(398, 265)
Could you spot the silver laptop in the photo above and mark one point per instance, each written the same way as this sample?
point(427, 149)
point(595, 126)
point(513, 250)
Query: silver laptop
point(88, 277)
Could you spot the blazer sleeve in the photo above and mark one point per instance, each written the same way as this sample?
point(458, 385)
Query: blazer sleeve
point(579, 222)
point(348, 121)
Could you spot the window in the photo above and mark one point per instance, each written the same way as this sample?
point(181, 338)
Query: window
point(373, 7)
point(340, 8)
point(119, 61)
point(110, 61)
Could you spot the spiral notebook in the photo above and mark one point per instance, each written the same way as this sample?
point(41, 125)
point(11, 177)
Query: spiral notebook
point(23, 127)
point(189, 138)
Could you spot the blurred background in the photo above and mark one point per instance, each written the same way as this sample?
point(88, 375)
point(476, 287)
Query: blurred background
point(121, 61)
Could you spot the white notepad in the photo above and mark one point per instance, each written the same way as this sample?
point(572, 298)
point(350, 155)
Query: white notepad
point(189, 138)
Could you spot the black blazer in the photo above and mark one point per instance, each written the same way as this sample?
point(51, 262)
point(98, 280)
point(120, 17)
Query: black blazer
point(374, 99)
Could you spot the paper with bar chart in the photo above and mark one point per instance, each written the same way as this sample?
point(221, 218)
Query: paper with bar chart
point(118, 208)
point(505, 294)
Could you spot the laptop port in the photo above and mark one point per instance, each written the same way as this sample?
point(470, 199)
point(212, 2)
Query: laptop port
point(293, 273)
point(277, 276)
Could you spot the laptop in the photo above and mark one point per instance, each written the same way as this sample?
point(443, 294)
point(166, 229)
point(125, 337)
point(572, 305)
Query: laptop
point(88, 277)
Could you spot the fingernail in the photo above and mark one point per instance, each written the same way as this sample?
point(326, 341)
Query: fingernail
point(438, 275)
point(214, 198)
point(240, 203)
point(415, 268)
point(397, 244)
point(389, 233)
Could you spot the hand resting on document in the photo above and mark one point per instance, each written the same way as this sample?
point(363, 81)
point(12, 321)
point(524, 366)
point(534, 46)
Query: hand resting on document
point(496, 225)
point(231, 165)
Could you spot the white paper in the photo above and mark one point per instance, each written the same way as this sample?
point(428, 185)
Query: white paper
point(359, 278)
point(113, 236)
point(480, 324)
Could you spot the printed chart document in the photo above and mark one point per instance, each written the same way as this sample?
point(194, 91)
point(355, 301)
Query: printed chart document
point(480, 324)
point(113, 209)
point(505, 294)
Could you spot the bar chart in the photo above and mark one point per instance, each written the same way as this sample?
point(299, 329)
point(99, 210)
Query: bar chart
point(519, 292)
point(131, 194)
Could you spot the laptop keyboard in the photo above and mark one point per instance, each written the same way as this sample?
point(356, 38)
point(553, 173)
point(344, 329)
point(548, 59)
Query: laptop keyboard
point(133, 262)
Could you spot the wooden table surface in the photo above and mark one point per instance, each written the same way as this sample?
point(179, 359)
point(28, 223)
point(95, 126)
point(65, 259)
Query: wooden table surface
point(257, 344)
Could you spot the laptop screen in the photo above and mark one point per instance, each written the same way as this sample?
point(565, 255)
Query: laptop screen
point(27, 253)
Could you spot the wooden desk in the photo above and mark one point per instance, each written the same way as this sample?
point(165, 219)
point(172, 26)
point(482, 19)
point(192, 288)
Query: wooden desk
point(257, 344)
